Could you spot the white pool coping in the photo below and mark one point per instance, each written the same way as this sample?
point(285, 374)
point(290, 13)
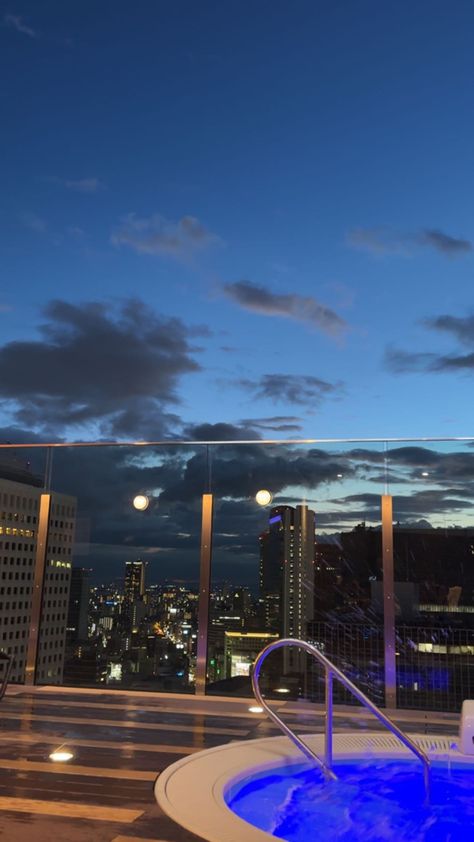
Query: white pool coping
point(192, 790)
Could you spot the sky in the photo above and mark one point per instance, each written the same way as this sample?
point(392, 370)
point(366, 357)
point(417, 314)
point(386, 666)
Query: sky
point(236, 220)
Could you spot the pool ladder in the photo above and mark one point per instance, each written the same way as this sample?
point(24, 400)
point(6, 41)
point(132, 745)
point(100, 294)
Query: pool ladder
point(331, 671)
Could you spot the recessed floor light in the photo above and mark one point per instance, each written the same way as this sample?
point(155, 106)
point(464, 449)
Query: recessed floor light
point(255, 709)
point(282, 690)
point(61, 755)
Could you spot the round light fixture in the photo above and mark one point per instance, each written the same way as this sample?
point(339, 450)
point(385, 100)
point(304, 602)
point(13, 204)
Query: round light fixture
point(141, 502)
point(61, 755)
point(255, 709)
point(282, 690)
point(263, 497)
point(425, 473)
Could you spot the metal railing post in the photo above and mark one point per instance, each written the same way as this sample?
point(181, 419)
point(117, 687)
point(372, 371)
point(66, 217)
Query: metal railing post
point(204, 593)
point(328, 721)
point(390, 667)
point(38, 586)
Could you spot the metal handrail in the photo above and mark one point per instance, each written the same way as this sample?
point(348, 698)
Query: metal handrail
point(330, 671)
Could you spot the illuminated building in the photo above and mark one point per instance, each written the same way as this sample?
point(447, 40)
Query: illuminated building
point(241, 649)
point(133, 609)
point(19, 516)
point(287, 573)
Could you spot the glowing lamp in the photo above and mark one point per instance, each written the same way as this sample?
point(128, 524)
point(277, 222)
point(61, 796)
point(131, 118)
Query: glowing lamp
point(141, 502)
point(263, 497)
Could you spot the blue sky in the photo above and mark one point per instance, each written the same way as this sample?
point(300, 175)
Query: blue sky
point(286, 185)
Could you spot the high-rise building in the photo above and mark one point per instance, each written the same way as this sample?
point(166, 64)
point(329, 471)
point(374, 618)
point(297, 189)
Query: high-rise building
point(34, 576)
point(78, 605)
point(134, 580)
point(133, 608)
point(287, 571)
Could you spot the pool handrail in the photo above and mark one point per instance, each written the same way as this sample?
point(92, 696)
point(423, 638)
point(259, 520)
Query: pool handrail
point(332, 671)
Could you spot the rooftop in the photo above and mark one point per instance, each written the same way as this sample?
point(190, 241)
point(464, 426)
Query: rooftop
point(120, 742)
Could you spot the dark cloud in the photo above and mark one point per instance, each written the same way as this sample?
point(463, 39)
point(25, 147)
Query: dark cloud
point(422, 503)
point(300, 308)
point(298, 389)
point(239, 471)
point(276, 423)
point(105, 480)
point(445, 243)
point(384, 240)
point(156, 235)
point(460, 328)
point(117, 368)
point(220, 432)
point(399, 361)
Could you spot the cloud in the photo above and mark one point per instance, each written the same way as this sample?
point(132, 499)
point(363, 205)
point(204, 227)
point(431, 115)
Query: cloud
point(400, 361)
point(34, 222)
point(156, 235)
point(277, 423)
point(383, 240)
point(300, 389)
point(16, 22)
point(79, 185)
point(444, 243)
point(461, 329)
point(219, 432)
point(83, 185)
point(379, 241)
point(118, 368)
point(105, 480)
point(300, 308)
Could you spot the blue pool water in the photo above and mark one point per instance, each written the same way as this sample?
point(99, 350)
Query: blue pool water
point(373, 801)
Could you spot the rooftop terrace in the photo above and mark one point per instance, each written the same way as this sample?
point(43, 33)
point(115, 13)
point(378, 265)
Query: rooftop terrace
point(121, 741)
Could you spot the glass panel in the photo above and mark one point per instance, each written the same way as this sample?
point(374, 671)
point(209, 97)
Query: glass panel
point(433, 493)
point(120, 592)
point(304, 564)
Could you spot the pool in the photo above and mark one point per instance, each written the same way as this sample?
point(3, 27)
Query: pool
point(372, 800)
point(262, 790)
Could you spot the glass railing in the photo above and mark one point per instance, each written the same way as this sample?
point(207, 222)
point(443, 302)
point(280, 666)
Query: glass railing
point(104, 577)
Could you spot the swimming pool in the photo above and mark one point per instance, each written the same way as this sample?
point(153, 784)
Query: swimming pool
point(252, 791)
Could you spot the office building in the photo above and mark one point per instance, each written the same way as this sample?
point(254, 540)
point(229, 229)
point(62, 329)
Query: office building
point(133, 609)
point(77, 623)
point(241, 649)
point(287, 554)
point(34, 577)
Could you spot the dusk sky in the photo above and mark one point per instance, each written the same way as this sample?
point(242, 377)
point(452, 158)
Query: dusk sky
point(285, 187)
point(256, 214)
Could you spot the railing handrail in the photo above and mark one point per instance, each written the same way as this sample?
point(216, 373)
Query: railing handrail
point(331, 670)
point(219, 442)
